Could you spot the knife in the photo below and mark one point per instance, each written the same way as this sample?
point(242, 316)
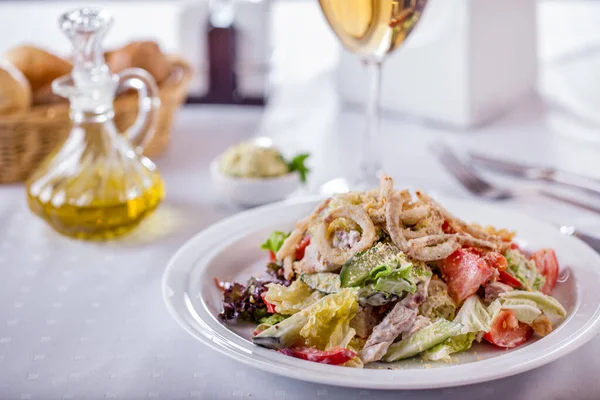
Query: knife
point(531, 172)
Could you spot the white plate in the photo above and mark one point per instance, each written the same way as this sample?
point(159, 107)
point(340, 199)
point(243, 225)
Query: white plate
point(230, 250)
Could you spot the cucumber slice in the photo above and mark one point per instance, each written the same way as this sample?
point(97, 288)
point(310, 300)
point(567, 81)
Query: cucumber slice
point(283, 334)
point(426, 338)
point(324, 282)
point(357, 269)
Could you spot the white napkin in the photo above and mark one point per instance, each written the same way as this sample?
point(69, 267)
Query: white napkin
point(466, 63)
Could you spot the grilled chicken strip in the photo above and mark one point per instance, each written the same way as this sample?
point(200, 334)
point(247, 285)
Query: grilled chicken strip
point(399, 319)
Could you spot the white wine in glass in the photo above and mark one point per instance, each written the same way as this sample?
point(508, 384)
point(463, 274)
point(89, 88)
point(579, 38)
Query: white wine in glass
point(371, 29)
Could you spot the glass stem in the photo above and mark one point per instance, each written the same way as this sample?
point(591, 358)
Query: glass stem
point(370, 162)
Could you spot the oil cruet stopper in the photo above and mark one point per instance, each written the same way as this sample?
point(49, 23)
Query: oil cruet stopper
point(98, 185)
point(91, 86)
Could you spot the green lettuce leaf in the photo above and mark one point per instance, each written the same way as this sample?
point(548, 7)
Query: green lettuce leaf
point(524, 310)
point(474, 316)
point(275, 241)
point(328, 324)
point(524, 270)
point(325, 324)
point(381, 271)
point(398, 265)
point(398, 276)
point(455, 344)
point(494, 309)
point(397, 287)
point(428, 337)
point(291, 299)
point(527, 306)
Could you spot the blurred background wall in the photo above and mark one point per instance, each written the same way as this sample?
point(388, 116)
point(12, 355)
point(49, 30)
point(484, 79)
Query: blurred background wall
point(285, 39)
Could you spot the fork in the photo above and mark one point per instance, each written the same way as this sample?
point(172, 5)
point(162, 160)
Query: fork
point(476, 185)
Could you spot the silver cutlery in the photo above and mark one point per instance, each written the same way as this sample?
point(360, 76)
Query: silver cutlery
point(537, 173)
point(471, 181)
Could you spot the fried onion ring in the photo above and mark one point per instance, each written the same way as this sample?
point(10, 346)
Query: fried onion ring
point(433, 247)
point(355, 213)
point(386, 189)
point(288, 271)
point(431, 240)
point(471, 241)
point(392, 218)
point(430, 225)
point(417, 234)
point(289, 246)
point(377, 215)
point(375, 207)
point(414, 215)
point(456, 223)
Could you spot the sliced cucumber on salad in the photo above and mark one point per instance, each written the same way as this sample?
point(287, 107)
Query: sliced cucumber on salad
point(358, 269)
point(324, 282)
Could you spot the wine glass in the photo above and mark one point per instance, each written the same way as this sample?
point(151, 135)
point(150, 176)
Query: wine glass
point(370, 29)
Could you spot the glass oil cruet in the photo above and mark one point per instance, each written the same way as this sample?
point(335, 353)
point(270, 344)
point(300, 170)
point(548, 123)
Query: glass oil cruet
point(98, 185)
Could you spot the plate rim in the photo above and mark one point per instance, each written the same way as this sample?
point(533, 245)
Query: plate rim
point(312, 371)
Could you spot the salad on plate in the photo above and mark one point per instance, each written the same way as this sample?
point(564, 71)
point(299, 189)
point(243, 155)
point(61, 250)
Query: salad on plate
point(386, 275)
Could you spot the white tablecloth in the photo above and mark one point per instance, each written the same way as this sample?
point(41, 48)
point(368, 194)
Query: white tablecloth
point(86, 320)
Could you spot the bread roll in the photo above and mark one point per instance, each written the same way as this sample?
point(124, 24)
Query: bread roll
point(145, 54)
point(39, 67)
point(15, 92)
point(45, 95)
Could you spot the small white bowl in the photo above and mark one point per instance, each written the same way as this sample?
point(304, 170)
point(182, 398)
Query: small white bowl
point(251, 192)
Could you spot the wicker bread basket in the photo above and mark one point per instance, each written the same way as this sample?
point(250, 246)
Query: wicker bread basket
point(26, 139)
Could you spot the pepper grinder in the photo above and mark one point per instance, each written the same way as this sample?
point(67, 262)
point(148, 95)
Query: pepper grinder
point(221, 36)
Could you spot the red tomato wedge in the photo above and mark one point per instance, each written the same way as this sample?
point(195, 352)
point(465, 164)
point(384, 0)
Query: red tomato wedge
point(302, 248)
point(547, 265)
point(335, 356)
point(507, 331)
point(256, 332)
point(446, 228)
point(270, 306)
point(464, 272)
point(508, 279)
point(272, 256)
point(496, 260)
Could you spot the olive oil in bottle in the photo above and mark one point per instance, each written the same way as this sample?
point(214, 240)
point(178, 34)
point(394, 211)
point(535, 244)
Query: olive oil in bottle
point(97, 185)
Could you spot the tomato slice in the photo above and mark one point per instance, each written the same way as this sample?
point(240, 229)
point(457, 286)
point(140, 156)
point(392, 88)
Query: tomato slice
point(335, 356)
point(272, 256)
point(464, 272)
point(446, 228)
point(547, 264)
point(256, 332)
point(496, 260)
point(302, 248)
point(507, 331)
point(509, 280)
point(270, 306)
